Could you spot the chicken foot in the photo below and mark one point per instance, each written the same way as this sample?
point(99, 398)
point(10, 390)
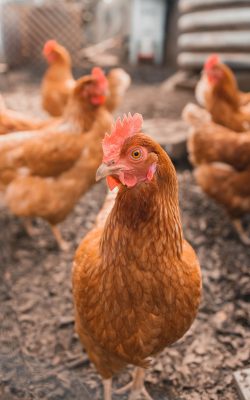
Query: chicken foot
point(32, 231)
point(137, 386)
point(241, 232)
point(63, 245)
point(29, 228)
point(107, 389)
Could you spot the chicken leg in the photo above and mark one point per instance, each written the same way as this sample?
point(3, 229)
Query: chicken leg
point(137, 386)
point(240, 230)
point(63, 245)
point(29, 228)
point(107, 389)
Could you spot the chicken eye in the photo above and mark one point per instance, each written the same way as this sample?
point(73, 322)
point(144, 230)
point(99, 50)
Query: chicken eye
point(136, 154)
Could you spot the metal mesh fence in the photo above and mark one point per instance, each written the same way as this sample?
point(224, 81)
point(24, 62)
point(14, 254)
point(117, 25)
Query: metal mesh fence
point(26, 27)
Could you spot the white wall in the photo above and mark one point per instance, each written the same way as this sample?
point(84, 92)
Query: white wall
point(112, 18)
point(147, 29)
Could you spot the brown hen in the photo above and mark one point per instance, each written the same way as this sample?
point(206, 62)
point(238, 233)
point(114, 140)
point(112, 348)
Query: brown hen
point(136, 282)
point(53, 198)
point(222, 164)
point(230, 188)
point(218, 92)
point(209, 142)
point(58, 81)
point(53, 150)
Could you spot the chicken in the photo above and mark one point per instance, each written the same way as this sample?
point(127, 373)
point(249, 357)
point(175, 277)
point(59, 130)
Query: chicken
point(11, 121)
point(222, 161)
point(209, 142)
point(217, 91)
point(51, 151)
point(58, 82)
point(119, 81)
point(196, 116)
point(53, 198)
point(232, 85)
point(53, 169)
point(136, 282)
point(230, 188)
point(244, 98)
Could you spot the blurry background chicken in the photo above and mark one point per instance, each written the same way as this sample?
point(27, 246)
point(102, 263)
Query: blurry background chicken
point(119, 81)
point(52, 168)
point(221, 158)
point(136, 282)
point(58, 82)
point(230, 188)
point(53, 198)
point(218, 92)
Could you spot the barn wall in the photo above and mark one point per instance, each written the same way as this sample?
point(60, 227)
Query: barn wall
point(207, 26)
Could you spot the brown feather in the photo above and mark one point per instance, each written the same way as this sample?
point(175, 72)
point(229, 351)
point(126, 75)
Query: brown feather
point(211, 142)
point(12, 121)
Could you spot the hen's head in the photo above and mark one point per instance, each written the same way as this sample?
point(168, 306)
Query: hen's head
point(128, 155)
point(92, 88)
point(219, 77)
point(54, 52)
point(213, 69)
point(218, 72)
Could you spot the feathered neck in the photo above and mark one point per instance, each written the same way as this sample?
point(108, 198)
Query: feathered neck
point(59, 70)
point(228, 92)
point(145, 220)
point(80, 115)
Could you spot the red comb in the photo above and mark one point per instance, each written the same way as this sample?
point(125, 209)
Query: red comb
point(211, 61)
point(121, 130)
point(98, 74)
point(49, 46)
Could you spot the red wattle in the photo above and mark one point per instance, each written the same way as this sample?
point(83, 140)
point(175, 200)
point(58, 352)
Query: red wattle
point(112, 182)
point(97, 100)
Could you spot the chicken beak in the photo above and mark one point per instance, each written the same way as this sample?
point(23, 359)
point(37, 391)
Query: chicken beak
point(102, 172)
point(105, 170)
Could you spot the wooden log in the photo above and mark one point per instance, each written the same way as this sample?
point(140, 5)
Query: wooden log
point(101, 47)
point(191, 5)
point(234, 17)
point(170, 134)
point(223, 40)
point(189, 60)
point(242, 381)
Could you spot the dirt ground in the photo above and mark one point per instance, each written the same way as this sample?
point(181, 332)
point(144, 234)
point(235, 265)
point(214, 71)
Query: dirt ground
point(40, 355)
